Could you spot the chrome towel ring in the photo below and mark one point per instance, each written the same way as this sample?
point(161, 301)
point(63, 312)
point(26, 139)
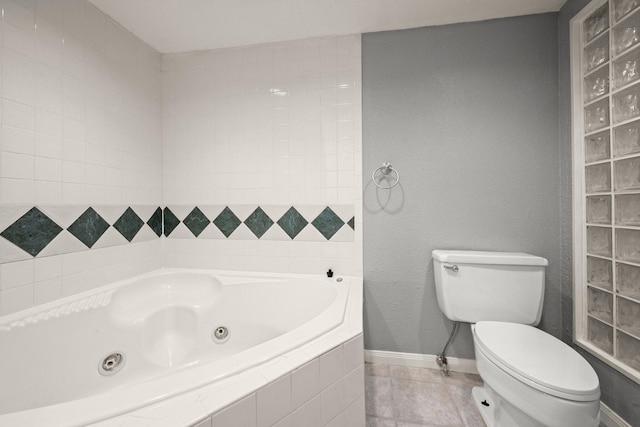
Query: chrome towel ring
point(385, 170)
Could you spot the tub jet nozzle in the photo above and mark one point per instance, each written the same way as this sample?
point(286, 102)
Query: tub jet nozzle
point(220, 334)
point(111, 363)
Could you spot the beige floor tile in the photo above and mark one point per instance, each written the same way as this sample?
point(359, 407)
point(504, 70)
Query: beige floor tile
point(423, 402)
point(405, 396)
point(461, 378)
point(403, 424)
point(463, 400)
point(380, 422)
point(378, 396)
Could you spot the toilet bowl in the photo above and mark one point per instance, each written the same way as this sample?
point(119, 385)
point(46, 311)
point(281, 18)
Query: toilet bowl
point(532, 379)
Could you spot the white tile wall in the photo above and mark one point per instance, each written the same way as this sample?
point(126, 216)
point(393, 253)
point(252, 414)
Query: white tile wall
point(90, 115)
point(80, 119)
point(256, 255)
point(81, 107)
point(276, 124)
point(42, 280)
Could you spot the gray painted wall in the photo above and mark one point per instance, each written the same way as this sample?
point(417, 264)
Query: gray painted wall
point(477, 119)
point(468, 114)
point(618, 392)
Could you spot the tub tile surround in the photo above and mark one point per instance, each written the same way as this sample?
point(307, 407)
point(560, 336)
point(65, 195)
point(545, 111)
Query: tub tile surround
point(93, 117)
point(46, 231)
point(49, 252)
point(268, 124)
point(35, 230)
point(44, 279)
point(80, 126)
point(81, 110)
point(262, 139)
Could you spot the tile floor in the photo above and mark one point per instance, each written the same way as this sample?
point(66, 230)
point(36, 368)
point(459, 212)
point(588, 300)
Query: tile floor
point(402, 396)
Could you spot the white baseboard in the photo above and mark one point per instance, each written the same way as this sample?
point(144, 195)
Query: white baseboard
point(419, 360)
point(610, 418)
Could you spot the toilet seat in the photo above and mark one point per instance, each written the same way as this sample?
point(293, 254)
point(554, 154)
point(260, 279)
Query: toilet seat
point(537, 359)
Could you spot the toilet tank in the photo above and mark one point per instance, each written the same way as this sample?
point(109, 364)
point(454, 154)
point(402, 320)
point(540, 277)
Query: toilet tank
point(472, 286)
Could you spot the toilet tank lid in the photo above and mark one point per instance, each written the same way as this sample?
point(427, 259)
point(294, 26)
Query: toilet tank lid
point(486, 257)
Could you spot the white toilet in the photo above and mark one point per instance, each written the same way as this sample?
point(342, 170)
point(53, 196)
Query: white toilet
point(530, 377)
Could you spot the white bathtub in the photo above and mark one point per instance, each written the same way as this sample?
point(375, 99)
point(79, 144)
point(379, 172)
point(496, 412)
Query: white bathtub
point(162, 325)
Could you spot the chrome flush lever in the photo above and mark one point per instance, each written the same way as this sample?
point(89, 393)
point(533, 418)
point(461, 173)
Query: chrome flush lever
point(453, 268)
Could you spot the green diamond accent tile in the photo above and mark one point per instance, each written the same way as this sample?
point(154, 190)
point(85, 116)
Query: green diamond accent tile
point(32, 232)
point(352, 223)
point(292, 222)
point(227, 221)
point(196, 221)
point(258, 222)
point(328, 223)
point(128, 224)
point(89, 227)
point(170, 222)
point(155, 222)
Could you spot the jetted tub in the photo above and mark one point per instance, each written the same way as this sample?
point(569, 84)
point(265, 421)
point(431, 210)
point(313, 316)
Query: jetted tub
point(98, 355)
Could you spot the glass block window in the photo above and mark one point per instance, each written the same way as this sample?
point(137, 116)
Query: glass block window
point(605, 55)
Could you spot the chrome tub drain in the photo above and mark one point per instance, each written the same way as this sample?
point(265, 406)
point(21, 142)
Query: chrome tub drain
point(111, 363)
point(220, 334)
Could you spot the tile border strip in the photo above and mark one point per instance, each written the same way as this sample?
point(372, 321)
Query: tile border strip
point(28, 231)
point(39, 231)
point(311, 223)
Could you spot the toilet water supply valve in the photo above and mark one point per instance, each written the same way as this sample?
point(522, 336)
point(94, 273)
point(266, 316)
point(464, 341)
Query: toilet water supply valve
point(441, 360)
